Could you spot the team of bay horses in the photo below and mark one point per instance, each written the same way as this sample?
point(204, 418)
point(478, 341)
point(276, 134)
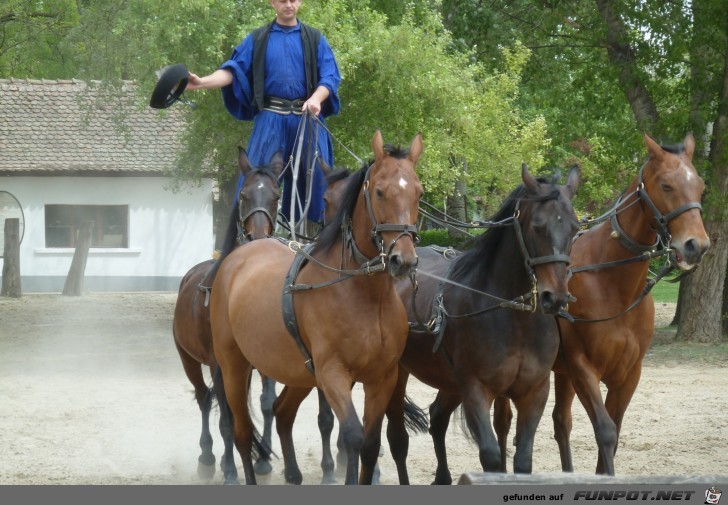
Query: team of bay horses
point(484, 327)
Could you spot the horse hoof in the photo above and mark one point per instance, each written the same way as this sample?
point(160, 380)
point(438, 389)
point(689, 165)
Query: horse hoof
point(328, 479)
point(262, 467)
point(205, 472)
point(232, 481)
point(296, 479)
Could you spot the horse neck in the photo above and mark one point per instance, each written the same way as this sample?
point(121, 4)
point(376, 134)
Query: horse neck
point(503, 266)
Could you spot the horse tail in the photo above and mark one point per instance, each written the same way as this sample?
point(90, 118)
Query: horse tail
point(259, 447)
point(415, 418)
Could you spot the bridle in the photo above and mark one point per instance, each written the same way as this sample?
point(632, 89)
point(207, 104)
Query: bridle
point(661, 220)
point(243, 215)
point(642, 252)
point(529, 262)
point(405, 230)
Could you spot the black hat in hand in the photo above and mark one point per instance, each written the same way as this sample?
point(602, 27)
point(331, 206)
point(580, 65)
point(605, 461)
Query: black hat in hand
point(172, 83)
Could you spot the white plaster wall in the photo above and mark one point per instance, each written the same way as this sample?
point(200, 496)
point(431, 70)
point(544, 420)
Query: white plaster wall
point(168, 232)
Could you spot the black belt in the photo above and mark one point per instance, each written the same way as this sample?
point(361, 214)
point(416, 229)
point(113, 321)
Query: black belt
point(283, 106)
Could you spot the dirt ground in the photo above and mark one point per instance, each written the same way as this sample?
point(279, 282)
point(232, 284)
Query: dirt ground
point(93, 392)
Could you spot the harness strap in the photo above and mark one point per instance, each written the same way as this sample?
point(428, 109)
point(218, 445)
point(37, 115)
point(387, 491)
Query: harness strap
point(289, 314)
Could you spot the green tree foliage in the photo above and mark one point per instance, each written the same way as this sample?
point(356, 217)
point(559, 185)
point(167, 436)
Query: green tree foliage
point(31, 32)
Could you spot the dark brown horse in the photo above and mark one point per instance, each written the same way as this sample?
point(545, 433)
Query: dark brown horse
point(254, 218)
point(609, 336)
point(494, 334)
point(350, 325)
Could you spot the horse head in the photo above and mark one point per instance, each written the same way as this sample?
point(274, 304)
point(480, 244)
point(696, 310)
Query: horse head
point(672, 189)
point(547, 223)
point(258, 197)
point(392, 192)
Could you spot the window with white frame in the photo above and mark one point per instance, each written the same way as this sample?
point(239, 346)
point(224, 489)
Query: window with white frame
point(110, 226)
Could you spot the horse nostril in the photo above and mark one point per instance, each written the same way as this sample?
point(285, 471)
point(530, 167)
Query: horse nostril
point(691, 247)
point(547, 300)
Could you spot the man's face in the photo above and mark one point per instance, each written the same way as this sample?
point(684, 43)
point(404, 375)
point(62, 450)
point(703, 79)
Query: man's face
point(286, 10)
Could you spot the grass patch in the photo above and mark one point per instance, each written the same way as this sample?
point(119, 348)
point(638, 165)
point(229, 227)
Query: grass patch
point(665, 292)
point(669, 352)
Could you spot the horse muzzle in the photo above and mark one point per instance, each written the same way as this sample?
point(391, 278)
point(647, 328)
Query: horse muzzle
point(687, 254)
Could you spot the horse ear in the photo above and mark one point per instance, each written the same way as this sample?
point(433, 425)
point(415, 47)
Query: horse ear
point(689, 144)
point(325, 168)
point(528, 180)
point(415, 149)
point(378, 146)
point(243, 162)
point(572, 182)
point(276, 163)
point(653, 147)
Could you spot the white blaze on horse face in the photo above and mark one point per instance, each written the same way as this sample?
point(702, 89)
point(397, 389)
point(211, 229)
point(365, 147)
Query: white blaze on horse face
point(688, 172)
point(402, 183)
point(260, 185)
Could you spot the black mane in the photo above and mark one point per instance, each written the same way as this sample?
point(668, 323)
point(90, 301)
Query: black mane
point(674, 148)
point(491, 242)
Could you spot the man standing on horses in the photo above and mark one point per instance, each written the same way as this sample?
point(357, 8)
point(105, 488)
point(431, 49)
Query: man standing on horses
point(278, 75)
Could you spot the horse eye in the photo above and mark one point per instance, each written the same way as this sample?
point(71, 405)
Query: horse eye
point(666, 187)
point(379, 193)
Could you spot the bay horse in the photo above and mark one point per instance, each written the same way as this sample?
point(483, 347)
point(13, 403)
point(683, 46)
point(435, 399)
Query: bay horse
point(251, 220)
point(611, 323)
point(494, 333)
point(349, 326)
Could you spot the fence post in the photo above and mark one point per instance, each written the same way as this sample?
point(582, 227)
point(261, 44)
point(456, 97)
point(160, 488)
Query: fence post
point(11, 259)
point(74, 281)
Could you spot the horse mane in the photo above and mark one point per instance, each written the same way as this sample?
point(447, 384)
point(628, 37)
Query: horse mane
point(489, 243)
point(332, 231)
point(337, 175)
point(674, 148)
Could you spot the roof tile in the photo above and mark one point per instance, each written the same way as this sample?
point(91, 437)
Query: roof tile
point(64, 125)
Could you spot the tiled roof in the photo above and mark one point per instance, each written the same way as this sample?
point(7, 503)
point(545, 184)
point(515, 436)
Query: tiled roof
point(64, 126)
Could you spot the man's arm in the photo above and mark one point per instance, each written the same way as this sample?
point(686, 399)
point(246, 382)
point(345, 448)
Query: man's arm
point(218, 79)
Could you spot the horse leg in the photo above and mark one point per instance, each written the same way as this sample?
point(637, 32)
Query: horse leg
point(326, 426)
point(476, 405)
point(440, 412)
point(530, 408)
point(227, 464)
point(562, 417)
point(502, 418)
point(267, 397)
point(285, 409)
point(236, 374)
point(616, 402)
point(376, 399)
point(337, 389)
point(396, 428)
point(586, 384)
point(203, 396)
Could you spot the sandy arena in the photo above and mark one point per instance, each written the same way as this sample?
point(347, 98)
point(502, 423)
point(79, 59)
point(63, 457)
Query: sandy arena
point(94, 393)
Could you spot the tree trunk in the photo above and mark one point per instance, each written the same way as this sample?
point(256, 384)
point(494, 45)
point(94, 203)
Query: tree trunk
point(456, 208)
point(702, 307)
point(74, 281)
point(11, 259)
point(623, 59)
point(700, 312)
